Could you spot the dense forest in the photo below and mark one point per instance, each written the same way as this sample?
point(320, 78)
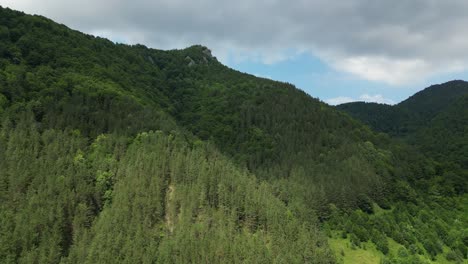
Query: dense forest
point(434, 121)
point(113, 153)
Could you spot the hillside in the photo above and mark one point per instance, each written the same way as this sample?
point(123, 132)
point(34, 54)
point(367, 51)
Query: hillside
point(411, 114)
point(445, 137)
point(435, 99)
point(434, 120)
point(381, 117)
point(115, 153)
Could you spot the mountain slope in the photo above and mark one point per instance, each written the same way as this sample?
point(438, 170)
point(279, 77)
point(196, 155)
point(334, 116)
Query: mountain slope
point(435, 99)
point(90, 84)
point(411, 114)
point(64, 93)
point(117, 153)
point(434, 120)
point(380, 117)
point(445, 137)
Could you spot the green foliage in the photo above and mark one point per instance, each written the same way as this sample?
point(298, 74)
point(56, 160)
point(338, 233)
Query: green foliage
point(433, 120)
point(380, 240)
point(114, 153)
point(424, 230)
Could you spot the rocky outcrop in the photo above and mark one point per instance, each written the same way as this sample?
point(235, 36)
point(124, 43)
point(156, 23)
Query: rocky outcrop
point(200, 55)
point(191, 62)
point(207, 52)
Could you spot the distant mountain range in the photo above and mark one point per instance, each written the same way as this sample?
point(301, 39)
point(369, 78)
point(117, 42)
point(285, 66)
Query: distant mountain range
point(435, 119)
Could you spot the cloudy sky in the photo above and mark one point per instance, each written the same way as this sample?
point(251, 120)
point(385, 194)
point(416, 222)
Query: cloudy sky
point(338, 51)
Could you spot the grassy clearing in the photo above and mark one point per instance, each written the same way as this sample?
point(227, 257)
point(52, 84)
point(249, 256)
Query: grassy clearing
point(345, 253)
point(368, 254)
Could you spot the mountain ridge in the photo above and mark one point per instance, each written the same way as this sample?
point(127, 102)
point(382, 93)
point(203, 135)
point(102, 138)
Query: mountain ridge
point(423, 118)
point(102, 143)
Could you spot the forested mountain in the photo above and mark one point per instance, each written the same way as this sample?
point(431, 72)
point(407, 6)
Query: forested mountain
point(435, 120)
point(112, 153)
point(411, 114)
point(435, 99)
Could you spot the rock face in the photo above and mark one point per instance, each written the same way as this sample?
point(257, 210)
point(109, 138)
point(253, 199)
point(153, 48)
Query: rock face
point(200, 55)
point(191, 62)
point(207, 52)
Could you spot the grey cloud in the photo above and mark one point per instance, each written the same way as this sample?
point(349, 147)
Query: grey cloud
point(374, 33)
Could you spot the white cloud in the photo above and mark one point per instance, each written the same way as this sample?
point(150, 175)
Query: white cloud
point(377, 98)
point(396, 42)
point(394, 72)
point(339, 100)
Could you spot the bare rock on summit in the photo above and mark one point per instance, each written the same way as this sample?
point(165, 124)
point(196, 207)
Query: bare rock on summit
point(191, 61)
point(207, 52)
